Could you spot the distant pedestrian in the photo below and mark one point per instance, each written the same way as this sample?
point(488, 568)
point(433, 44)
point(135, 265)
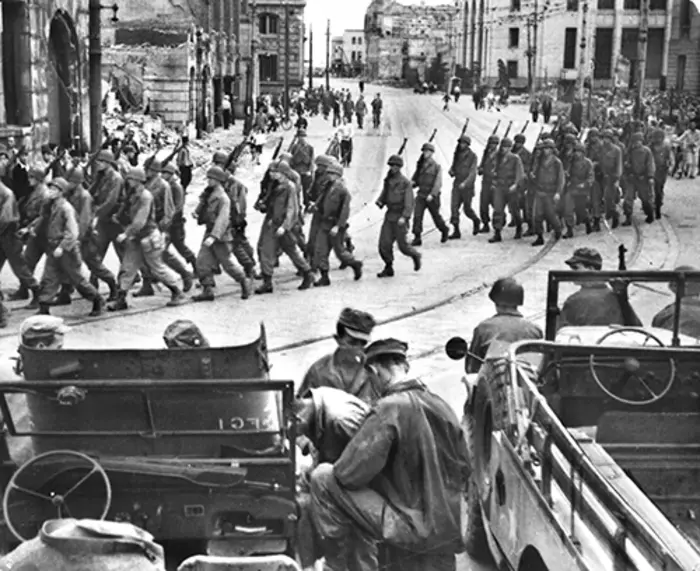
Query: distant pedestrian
point(226, 111)
point(446, 100)
point(534, 110)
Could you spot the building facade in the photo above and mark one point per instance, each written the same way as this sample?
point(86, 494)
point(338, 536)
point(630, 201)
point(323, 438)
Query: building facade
point(411, 42)
point(45, 75)
point(354, 50)
point(684, 51)
point(337, 51)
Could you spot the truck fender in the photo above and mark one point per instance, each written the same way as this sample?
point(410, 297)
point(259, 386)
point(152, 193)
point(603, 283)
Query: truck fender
point(470, 382)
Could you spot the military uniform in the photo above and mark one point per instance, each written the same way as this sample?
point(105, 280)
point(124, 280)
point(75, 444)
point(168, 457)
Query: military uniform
point(303, 162)
point(464, 167)
point(548, 180)
point(428, 180)
point(525, 197)
point(214, 213)
point(507, 177)
point(109, 198)
point(611, 172)
point(177, 226)
point(663, 159)
point(486, 170)
point(641, 171)
point(594, 150)
point(577, 197)
point(333, 210)
point(293, 176)
point(33, 250)
point(397, 196)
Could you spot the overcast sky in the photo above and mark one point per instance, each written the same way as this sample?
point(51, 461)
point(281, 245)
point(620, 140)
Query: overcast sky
point(344, 15)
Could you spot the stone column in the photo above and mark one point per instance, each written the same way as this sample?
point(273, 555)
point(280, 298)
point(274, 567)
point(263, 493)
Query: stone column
point(3, 118)
point(617, 35)
point(667, 40)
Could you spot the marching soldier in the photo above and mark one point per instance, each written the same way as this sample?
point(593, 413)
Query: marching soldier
point(334, 211)
point(143, 243)
point(316, 195)
point(548, 180)
point(486, 171)
point(579, 185)
point(464, 166)
point(663, 161)
point(594, 150)
point(62, 248)
point(298, 231)
point(214, 213)
point(281, 213)
point(507, 177)
point(177, 226)
point(611, 171)
point(428, 180)
point(640, 179)
point(397, 196)
point(525, 198)
point(303, 162)
point(109, 196)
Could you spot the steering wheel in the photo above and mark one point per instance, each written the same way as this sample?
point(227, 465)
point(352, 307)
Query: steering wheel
point(34, 471)
point(630, 371)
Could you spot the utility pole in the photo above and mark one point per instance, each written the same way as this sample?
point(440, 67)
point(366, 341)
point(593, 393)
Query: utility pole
point(311, 57)
point(535, 41)
point(95, 75)
point(286, 59)
point(642, 55)
point(529, 58)
point(328, 55)
point(582, 60)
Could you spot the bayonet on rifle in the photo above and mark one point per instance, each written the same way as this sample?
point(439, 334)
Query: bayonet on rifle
point(495, 129)
point(278, 148)
point(403, 146)
point(464, 129)
point(432, 136)
point(508, 129)
point(522, 132)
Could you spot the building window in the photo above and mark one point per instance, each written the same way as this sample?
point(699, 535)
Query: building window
point(572, 5)
point(685, 17)
point(514, 37)
point(680, 73)
point(515, 5)
point(353, 41)
point(570, 48)
point(353, 56)
point(606, 4)
point(512, 69)
point(268, 67)
point(657, 5)
point(359, 41)
point(632, 5)
point(603, 53)
point(267, 24)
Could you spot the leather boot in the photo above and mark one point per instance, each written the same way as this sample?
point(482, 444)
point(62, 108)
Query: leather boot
point(357, 270)
point(266, 286)
point(658, 211)
point(44, 309)
point(120, 303)
point(193, 262)
point(417, 241)
point(588, 226)
point(476, 224)
point(307, 282)
point(417, 262)
point(97, 306)
point(511, 224)
point(207, 294)
point(518, 232)
point(176, 297)
point(596, 225)
point(569, 233)
point(21, 294)
point(113, 290)
point(496, 237)
point(615, 220)
point(34, 304)
point(456, 234)
point(485, 229)
point(187, 282)
point(324, 280)
point(649, 211)
point(94, 282)
point(63, 297)
point(246, 288)
point(628, 220)
point(539, 241)
point(343, 266)
point(445, 235)
point(529, 232)
point(387, 272)
point(146, 289)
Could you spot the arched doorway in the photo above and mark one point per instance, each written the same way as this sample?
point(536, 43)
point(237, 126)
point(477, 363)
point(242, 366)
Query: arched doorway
point(63, 78)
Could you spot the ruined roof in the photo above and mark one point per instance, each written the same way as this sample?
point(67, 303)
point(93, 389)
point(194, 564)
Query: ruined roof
point(156, 32)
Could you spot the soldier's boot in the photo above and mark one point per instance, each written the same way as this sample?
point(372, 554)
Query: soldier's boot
point(187, 282)
point(529, 232)
point(549, 227)
point(307, 282)
point(34, 303)
point(511, 224)
point(445, 235)
point(193, 262)
point(658, 211)
point(44, 309)
point(628, 220)
point(246, 288)
point(120, 303)
point(266, 286)
point(94, 282)
point(357, 270)
point(3, 317)
point(539, 241)
point(518, 232)
point(21, 294)
point(496, 237)
point(596, 225)
point(417, 240)
point(63, 297)
point(615, 220)
point(113, 290)
point(569, 232)
point(649, 211)
point(98, 306)
point(485, 228)
point(324, 280)
point(146, 289)
point(176, 297)
point(456, 234)
point(343, 266)
point(387, 272)
point(417, 262)
point(476, 225)
point(207, 294)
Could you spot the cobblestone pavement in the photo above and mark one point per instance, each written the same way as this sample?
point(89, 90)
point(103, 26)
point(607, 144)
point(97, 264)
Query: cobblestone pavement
point(448, 296)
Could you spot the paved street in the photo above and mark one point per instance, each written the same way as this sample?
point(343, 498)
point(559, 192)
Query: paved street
point(448, 296)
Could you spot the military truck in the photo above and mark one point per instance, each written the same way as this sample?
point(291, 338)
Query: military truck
point(585, 446)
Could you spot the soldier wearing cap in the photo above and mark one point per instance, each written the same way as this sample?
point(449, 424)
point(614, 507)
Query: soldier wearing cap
point(579, 186)
point(281, 214)
point(333, 209)
point(689, 322)
point(184, 334)
point(143, 244)
point(43, 332)
point(397, 196)
point(344, 368)
point(507, 178)
point(640, 172)
point(428, 180)
point(298, 230)
point(548, 179)
point(177, 233)
point(508, 325)
point(611, 171)
point(525, 197)
point(62, 249)
point(663, 161)
point(214, 213)
point(413, 443)
point(303, 162)
point(316, 194)
point(596, 303)
point(109, 199)
point(463, 169)
point(486, 171)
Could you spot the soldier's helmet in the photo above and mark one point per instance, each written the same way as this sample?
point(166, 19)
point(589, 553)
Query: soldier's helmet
point(385, 347)
point(106, 156)
point(608, 134)
point(285, 156)
point(465, 139)
point(570, 138)
point(508, 292)
point(136, 174)
point(428, 147)
point(218, 174)
point(493, 140)
point(593, 132)
point(636, 138)
point(692, 288)
point(184, 334)
point(169, 169)
point(547, 144)
point(579, 147)
point(153, 165)
point(519, 138)
point(506, 143)
point(75, 176)
point(36, 173)
point(658, 134)
point(60, 184)
point(335, 168)
point(395, 161)
point(323, 161)
point(219, 158)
